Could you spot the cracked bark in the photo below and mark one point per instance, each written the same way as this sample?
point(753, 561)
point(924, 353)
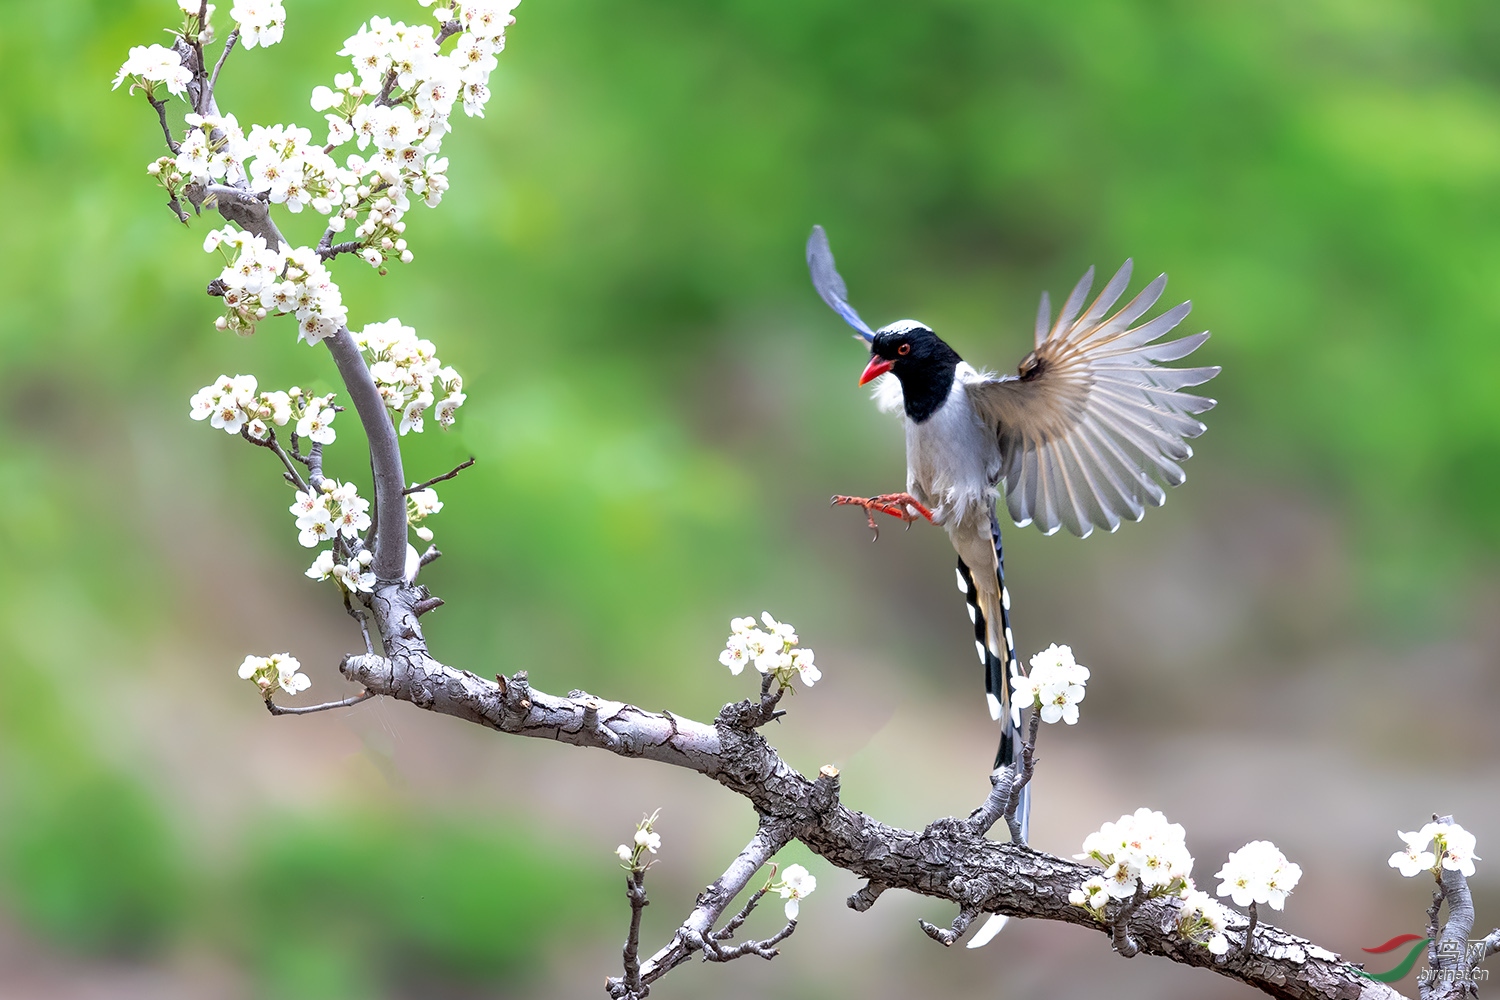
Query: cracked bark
point(946, 861)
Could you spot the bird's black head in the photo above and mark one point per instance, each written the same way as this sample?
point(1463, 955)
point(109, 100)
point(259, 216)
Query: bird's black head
point(920, 359)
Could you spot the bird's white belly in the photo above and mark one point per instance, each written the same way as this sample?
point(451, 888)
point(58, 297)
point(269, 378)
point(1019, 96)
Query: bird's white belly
point(952, 460)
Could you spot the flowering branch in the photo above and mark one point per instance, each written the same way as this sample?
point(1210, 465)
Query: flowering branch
point(697, 932)
point(398, 109)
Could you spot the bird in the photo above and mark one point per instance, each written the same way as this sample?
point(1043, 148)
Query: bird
point(1084, 435)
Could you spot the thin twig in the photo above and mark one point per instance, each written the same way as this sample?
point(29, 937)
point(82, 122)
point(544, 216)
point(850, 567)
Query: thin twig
point(448, 30)
point(387, 88)
point(358, 614)
point(1248, 948)
point(712, 950)
point(438, 479)
point(213, 81)
point(276, 709)
point(161, 113)
point(1026, 768)
point(204, 95)
point(292, 475)
point(332, 250)
point(635, 891)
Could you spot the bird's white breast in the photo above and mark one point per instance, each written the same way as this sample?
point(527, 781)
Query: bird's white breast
point(952, 458)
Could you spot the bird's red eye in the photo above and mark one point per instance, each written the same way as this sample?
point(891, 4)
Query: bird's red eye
point(904, 349)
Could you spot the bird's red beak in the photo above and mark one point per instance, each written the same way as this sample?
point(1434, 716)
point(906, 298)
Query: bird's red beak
point(877, 367)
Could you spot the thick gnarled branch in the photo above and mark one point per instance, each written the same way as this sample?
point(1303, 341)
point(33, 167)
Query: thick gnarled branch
point(947, 860)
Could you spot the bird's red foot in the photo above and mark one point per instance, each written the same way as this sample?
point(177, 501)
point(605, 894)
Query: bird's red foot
point(899, 505)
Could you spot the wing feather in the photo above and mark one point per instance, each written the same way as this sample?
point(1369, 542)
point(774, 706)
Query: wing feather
point(1094, 425)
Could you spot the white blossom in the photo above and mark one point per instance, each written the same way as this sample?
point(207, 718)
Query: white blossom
point(802, 662)
point(1140, 850)
point(324, 98)
point(797, 883)
point(1054, 687)
point(150, 64)
point(316, 424)
point(772, 649)
point(277, 670)
point(1092, 895)
point(261, 22)
point(735, 655)
point(322, 567)
point(645, 839)
point(335, 509)
point(1258, 873)
point(1203, 920)
point(409, 375)
point(1453, 849)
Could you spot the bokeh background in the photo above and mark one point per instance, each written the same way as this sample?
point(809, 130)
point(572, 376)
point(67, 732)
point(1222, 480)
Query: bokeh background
point(1301, 646)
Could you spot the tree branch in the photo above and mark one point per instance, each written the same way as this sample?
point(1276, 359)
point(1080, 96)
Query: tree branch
point(293, 475)
point(385, 459)
point(947, 860)
point(438, 479)
point(635, 891)
point(213, 81)
point(697, 931)
point(276, 709)
point(161, 113)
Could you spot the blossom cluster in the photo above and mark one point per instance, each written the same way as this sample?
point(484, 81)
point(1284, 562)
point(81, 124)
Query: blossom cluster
point(1203, 920)
point(797, 883)
point(233, 404)
point(277, 670)
point(1454, 850)
point(419, 505)
point(1054, 686)
point(148, 65)
point(1140, 851)
point(409, 375)
point(394, 106)
point(352, 575)
point(261, 22)
point(773, 650)
point(259, 281)
point(1258, 873)
point(333, 509)
point(645, 839)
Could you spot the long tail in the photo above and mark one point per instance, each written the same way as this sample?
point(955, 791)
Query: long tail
point(996, 668)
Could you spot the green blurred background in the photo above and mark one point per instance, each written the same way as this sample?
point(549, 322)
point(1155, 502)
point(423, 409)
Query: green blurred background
point(1301, 646)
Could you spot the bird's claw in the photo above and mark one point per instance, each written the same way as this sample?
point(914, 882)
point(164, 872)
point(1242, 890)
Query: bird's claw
point(898, 505)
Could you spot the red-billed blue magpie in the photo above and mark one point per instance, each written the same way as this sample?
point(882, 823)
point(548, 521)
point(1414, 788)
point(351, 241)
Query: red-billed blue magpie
point(1084, 435)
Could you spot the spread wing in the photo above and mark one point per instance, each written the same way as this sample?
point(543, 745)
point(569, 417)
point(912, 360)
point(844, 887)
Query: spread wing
point(830, 286)
point(1094, 425)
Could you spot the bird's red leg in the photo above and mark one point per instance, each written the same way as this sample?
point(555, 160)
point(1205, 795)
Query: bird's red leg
point(898, 505)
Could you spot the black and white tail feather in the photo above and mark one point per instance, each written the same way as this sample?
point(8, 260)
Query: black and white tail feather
point(998, 668)
point(999, 665)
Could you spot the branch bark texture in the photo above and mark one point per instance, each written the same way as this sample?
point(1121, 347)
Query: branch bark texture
point(947, 860)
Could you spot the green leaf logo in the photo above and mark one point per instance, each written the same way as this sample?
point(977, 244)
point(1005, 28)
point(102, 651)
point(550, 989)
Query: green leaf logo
point(1404, 968)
